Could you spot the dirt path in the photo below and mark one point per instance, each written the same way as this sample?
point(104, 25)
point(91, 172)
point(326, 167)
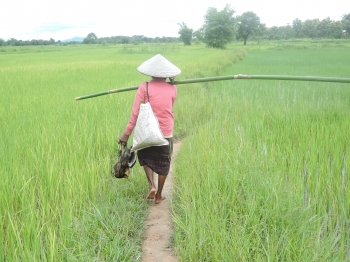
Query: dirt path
point(156, 247)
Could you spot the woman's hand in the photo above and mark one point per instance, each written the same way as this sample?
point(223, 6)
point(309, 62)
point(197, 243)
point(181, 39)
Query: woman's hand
point(123, 139)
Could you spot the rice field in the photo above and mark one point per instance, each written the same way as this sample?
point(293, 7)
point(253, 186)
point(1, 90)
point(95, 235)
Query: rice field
point(265, 177)
point(58, 201)
point(262, 174)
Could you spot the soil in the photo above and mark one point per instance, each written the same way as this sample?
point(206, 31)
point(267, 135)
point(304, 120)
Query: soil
point(157, 246)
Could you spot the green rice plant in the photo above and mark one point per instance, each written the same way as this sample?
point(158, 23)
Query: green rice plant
point(58, 200)
point(262, 174)
point(270, 159)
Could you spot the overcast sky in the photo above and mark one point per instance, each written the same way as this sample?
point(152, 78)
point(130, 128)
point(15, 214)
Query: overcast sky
point(65, 19)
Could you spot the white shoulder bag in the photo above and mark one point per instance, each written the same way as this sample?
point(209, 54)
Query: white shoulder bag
point(147, 132)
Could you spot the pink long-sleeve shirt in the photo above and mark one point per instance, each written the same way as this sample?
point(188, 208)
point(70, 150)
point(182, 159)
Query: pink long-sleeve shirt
point(162, 97)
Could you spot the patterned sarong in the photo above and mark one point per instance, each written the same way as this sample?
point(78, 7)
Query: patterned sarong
point(158, 158)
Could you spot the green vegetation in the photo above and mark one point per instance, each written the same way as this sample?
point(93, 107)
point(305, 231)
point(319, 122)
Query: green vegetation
point(219, 27)
point(248, 25)
point(58, 201)
point(262, 173)
point(185, 34)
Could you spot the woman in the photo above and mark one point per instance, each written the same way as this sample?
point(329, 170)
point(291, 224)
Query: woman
point(161, 96)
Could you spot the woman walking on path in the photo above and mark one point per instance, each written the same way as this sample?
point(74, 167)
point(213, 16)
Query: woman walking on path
point(161, 96)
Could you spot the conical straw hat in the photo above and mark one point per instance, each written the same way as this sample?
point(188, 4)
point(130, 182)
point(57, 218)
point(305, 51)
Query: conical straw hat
point(159, 66)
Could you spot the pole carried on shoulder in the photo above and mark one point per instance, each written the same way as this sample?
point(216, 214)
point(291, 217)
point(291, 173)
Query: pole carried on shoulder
point(230, 77)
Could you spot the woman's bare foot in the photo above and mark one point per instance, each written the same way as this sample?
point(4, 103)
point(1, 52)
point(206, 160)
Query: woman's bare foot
point(159, 199)
point(151, 193)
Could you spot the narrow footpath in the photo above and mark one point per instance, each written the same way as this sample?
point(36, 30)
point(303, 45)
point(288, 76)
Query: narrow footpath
point(156, 246)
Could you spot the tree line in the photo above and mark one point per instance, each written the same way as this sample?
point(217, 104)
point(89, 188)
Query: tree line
point(92, 39)
point(221, 28)
point(136, 39)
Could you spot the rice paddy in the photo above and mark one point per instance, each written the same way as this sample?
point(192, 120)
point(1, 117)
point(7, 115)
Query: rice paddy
point(265, 176)
point(262, 174)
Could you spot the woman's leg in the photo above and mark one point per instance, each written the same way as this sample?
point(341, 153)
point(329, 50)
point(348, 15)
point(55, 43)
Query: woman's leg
point(161, 181)
point(151, 185)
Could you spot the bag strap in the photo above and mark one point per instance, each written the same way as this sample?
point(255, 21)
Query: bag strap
point(147, 90)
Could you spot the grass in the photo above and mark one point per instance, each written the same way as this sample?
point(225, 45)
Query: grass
point(263, 172)
point(58, 200)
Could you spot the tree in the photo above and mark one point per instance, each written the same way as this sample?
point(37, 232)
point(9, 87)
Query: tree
point(12, 41)
point(336, 29)
point(125, 40)
point(218, 27)
point(346, 23)
point(309, 27)
point(262, 31)
point(298, 28)
point(185, 33)
point(274, 33)
point(90, 39)
point(249, 24)
point(136, 39)
point(286, 32)
point(199, 34)
point(323, 29)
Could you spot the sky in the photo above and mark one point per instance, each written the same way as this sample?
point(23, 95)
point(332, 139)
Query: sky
point(65, 19)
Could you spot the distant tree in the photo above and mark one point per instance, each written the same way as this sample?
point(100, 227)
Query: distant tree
point(92, 36)
point(336, 29)
point(198, 34)
point(52, 41)
point(309, 27)
point(262, 33)
point(346, 23)
point(185, 33)
point(298, 28)
point(323, 29)
point(125, 40)
point(2, 42)
point(147, 39)
point(34, 42)
point(287, 32)
point(248, 25)
point(90, 39)
point(11, 41)
point(345, 17)
point(218, 27)
point(136, 39)
point(274, 33)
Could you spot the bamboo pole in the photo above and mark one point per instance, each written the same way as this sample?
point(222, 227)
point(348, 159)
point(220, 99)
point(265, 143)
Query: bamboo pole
point(230, 77)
